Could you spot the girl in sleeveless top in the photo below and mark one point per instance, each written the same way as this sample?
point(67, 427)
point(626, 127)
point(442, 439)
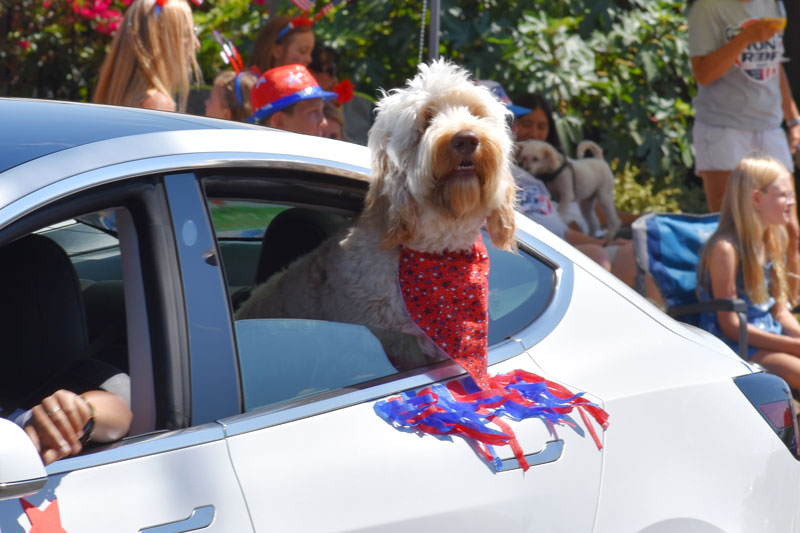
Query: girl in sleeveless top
point(746, 258)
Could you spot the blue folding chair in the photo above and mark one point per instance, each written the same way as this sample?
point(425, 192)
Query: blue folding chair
point(667, 247)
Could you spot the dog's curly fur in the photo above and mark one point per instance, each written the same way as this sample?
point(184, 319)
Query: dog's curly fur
point(593, 181)
point(441, 154)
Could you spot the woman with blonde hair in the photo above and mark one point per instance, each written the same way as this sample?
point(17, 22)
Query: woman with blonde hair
point(151, 58)
point(283, 41)
point(746, 258)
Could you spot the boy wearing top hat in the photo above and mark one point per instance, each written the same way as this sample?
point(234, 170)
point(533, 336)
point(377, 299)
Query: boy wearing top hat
point(289, 98)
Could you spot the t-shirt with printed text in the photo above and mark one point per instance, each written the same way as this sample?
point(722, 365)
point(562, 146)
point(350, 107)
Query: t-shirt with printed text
point(748, 96)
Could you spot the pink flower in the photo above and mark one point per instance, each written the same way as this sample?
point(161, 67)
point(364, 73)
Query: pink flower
point(46, 4)
point(24, 44)
point(259, 2)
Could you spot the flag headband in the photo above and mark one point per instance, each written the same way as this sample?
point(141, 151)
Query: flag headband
point(162, 3)
point(296, 22)
point(230, 55)
point(237, 83)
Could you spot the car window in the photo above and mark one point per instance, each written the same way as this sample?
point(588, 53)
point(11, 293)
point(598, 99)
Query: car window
point(283, 360)
point(64, 315)
point(520, 287)
point(242, 219)
point(289, 359)
point(94, 253)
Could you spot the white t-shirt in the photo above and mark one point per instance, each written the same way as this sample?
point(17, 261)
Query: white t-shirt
point(534, 202)
point(748, 96)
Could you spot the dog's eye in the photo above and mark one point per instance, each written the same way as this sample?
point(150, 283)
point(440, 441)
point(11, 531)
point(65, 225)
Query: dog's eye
point(427, 115)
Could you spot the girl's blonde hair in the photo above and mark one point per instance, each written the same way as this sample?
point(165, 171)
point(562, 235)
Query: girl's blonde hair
point(268, 38)
point(227, 82)
point(150, 51)
point(739, 222)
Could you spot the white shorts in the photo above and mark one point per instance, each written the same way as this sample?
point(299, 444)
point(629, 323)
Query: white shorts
point(719, 148)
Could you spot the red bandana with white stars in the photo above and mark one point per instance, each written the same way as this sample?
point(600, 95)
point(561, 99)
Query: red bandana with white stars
point(447, 296)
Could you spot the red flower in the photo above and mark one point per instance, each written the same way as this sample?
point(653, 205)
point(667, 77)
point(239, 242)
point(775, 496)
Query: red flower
point(24, 44)
point(302, 20)
point(344, 90)
point(111, 21)
point(259, 2)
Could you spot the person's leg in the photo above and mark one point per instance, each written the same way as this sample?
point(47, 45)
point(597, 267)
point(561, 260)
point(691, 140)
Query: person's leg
point(624, 217)
point(596, 253)
point(784, 365)
point(717, 151)
point(624, 267)
point(714, 184)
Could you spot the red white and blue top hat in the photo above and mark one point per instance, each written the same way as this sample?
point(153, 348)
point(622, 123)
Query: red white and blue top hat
point(280, 87)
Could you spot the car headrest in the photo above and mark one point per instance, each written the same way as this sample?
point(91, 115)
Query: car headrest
point(42, 320)
point(292, 234)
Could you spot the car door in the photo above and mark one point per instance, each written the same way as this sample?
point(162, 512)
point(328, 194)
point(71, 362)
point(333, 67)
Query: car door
point(312, 454)
point(173, 471)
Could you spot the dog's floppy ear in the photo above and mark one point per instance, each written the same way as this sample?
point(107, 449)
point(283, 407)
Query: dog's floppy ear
point(500, 222)
point(401, 225)
point(389, 201)
point(551, 156)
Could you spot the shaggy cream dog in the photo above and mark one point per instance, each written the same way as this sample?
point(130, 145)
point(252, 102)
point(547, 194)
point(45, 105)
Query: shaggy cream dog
point(586, 181)
point(441, 154)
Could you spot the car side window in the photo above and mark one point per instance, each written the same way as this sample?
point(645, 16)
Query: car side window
point(520, 287)
point(64, 320)
point(285, 359)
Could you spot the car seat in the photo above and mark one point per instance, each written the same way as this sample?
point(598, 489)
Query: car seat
point(104, 302)
point(292, 234)
point(42, 321)
point(667, 247)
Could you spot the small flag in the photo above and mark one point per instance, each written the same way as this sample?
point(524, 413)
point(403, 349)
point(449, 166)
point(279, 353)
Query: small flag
point(305, 5)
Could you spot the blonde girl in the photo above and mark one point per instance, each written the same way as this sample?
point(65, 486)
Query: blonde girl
point(746, 258)
point(230, 96)
point(152, 57)
point(283, 41)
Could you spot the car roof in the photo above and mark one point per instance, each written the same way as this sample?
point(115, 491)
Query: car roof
point(35, 128)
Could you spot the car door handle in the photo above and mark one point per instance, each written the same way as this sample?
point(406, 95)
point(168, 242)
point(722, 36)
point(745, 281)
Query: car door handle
point(200, 518)
point(551, 452)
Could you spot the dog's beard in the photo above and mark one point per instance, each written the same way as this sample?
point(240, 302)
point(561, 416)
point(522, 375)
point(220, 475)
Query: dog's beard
point(458, 197)
point(458, 188)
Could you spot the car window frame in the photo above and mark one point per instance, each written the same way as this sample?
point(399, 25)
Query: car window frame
point(144, 195)
point(323, 402)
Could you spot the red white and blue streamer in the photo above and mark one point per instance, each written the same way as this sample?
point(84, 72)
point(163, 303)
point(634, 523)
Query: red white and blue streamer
point(461, 408)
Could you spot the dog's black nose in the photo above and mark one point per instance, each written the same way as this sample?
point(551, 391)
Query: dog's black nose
point(465, 142)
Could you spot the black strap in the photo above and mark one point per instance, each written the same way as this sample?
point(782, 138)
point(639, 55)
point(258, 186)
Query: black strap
point(547, 178)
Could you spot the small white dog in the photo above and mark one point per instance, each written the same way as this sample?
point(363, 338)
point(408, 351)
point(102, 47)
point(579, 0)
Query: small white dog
point(587, 180)
point(441, 154)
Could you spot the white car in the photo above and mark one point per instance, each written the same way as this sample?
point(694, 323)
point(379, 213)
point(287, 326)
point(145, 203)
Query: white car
point(270, 425)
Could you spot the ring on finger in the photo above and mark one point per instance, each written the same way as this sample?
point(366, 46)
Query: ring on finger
point(53, 410)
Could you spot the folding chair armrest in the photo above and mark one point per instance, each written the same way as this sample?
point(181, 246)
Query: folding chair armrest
point(737, 305)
